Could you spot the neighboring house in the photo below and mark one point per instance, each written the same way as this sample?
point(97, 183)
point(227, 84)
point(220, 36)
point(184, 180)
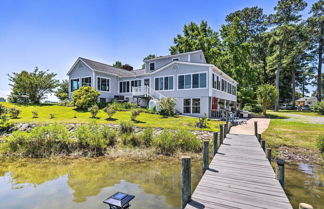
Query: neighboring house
point(310, 101)
point(199, 88)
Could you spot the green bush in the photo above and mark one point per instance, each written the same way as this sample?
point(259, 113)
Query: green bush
point(135, 113)
point(119, 106)
point(35, 114)
point(319, 108)
point(131, 139)
point(187, 141)
point(110, 134)
point(320, 143)
point(42, 141)
point(14, 112)
point(126, 127)
point(85, 97)
point(3, 109)
point(52, 116)
point(165, 142)
point(257, 108)
point(147, 137)
point(110, 110)
point(94, 111)
point(167, 106)
point(247, 108)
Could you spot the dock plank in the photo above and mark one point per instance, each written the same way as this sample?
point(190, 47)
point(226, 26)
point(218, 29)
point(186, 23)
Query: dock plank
point(239, 176)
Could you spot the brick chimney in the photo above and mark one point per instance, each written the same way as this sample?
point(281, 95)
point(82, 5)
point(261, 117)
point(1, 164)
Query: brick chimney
point(127, 67)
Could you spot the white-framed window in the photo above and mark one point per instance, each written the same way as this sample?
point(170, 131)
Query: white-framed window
point(152, 66)
point(163, 83)
point(191, 105)
point(86, 81)
point(75, 84)
point(194, 80)
point(195, 105)
point(103, 84)
point(124, 87)
point(136, 83)
point(186, 105)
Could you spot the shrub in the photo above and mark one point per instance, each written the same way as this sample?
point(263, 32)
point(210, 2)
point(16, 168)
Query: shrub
point(5, 125)
point(3, 109)
point(75, 115)
point(126, 127)
point(257, 108)
point(85, 97)
point(94, 111)
point(320, 143)
point(267, 95)
point(14, 112)
point(129, 105)
point(118, 106)
point(135, 113)
point(319, 108)
point(52, 116)
point(131, 139)
point(35, 114)
point(165, 143)
point(187, 141)
point(247, 108)
point(109, 134)
point(110, 110)
point(147, 137)
point(167, 106)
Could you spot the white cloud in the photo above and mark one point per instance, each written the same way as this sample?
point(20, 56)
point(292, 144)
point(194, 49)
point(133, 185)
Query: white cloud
point(4, 93)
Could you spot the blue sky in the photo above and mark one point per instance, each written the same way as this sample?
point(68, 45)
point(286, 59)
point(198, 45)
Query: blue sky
point(53, 34)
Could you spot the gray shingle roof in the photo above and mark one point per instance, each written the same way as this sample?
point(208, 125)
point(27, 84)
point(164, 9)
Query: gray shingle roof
point(104, 68)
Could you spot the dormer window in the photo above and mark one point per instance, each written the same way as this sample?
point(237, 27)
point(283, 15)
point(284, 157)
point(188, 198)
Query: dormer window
point(175, 59)
point(152, 66)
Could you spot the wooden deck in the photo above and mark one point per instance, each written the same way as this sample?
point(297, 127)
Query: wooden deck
point(239, 176)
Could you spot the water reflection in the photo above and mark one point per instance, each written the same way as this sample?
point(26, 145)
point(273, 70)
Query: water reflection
point(305, 183)
point(85, 183)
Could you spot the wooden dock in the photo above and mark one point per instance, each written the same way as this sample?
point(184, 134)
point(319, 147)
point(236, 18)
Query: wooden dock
point(239, 176)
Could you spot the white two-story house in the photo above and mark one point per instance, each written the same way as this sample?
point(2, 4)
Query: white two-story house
point(198, 88)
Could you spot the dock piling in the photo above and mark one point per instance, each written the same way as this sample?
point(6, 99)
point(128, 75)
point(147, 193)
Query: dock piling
point(281, 172)
point(268, 154)
point(221, 135)
point(185, 181)
point(263, 145)
point(215, 142)
point(256, 128)
point(259, 138)
point(206, 154)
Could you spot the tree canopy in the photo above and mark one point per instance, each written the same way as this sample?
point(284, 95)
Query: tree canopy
point(31, 86)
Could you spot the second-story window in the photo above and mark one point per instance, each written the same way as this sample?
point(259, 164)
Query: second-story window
point(152, 66)
point(103, 84)
point(86, 81)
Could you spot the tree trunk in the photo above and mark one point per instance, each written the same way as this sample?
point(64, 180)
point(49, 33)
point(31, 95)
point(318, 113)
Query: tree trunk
point(278, 77)
point(320, 61)
point(293, 81)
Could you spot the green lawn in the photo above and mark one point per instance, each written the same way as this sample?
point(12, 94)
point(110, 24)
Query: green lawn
point(66, 115)
point(292, 134)
point(283, 112)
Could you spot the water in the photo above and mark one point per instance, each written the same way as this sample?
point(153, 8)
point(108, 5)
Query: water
point(79, 184)
point(40, 184)
point(305, 183)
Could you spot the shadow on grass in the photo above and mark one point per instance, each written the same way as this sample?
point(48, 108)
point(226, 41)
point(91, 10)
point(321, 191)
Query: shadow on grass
point(111, 119)
point(138, 121)
point(271, 116)
point(31, 104)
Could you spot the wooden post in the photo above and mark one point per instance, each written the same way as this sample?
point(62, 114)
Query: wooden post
point(259, 138)
point(206, 155)
point(215, 142)
point(185, 181)
point(256, 128)
point(225, 130)
point(221, 135)
point(226, 121)
point(263, 144)
point(305, 206)
point(268, 154)
point(281, 172)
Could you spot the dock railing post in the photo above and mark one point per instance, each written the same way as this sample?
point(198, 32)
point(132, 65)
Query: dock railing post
point(281, 172)
point(259, 138)
point(256, 128)
point(225, 130)
point(263, 144)
point(227, 122)
point(221, 135)
point(215, 142)
point(268, 154)
point(185, 181)
point(206, 155)
point(305, 206)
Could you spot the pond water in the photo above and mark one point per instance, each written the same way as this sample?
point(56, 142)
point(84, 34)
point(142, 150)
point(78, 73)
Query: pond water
point(85, 183)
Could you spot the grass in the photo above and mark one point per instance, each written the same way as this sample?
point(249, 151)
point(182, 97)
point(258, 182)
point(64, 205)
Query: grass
point(283, 113)
point(293, 134)
point(64, 114)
